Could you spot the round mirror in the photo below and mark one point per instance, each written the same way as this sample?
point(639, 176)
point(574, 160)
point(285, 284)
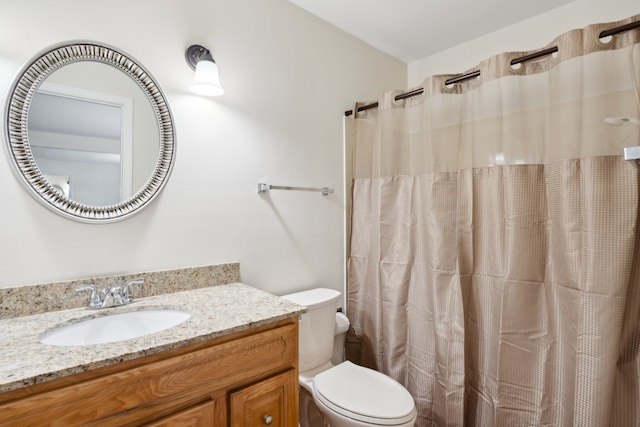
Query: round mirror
point(90, 132)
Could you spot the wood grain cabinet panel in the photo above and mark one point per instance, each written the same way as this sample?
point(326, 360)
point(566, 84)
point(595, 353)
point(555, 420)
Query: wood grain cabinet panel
point(271, 402)
point(201, 415)
point(185, 386)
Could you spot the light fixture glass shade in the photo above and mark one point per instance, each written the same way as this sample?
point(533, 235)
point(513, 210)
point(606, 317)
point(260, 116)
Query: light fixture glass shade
point(207, 79)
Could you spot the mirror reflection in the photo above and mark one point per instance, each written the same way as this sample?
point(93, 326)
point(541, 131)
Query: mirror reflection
point(89, 132)
point(93, 133)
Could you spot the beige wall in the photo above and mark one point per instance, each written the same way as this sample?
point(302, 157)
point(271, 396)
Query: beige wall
point(288, 78)
point(531, 34)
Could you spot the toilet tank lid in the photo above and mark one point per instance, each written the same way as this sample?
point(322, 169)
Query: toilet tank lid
point(314, 298)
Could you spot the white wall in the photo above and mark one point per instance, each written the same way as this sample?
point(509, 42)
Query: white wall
point(532, 34)
point(288, 78)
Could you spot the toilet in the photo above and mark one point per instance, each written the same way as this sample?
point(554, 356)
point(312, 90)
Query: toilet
point(339, 393)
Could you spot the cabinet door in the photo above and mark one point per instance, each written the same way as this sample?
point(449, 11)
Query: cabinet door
point(197, 416)
point(271, 402)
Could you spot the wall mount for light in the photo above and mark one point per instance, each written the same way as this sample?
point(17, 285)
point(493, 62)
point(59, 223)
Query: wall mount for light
point(207, 79)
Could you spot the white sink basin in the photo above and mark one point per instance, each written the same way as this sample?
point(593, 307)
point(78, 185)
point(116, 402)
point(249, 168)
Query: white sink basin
point(115, 327)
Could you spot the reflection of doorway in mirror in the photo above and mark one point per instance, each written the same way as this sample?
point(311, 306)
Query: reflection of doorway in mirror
point(87, 134)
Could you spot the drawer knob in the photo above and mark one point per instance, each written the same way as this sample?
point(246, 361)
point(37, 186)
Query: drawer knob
point(268, 419)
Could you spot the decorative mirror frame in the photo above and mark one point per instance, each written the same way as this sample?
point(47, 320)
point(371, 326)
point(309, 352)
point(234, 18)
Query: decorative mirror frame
point(20, 96)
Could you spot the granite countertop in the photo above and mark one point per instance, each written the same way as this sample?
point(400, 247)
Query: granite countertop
point(215, 311)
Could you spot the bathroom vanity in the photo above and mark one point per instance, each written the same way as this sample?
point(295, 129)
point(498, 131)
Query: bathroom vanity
point(234, 362)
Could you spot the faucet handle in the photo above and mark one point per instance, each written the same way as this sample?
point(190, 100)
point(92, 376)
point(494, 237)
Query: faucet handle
point(126, 297)
point(94, 301)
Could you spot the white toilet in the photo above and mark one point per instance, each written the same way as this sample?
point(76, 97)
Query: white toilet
point(346, 394)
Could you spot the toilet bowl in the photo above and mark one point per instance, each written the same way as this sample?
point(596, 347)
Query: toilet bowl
point(344, 394)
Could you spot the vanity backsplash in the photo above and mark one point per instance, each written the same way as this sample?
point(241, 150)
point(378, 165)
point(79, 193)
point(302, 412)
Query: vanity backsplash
point(42, 298)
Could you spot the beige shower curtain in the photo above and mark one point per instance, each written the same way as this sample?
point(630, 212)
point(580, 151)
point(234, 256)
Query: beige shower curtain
point(493, 263)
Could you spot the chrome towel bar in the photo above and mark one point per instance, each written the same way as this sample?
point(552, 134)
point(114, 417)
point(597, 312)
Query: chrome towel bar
point(263, 188)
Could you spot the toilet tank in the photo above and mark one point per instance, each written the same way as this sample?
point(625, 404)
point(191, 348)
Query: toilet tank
point(317, 325)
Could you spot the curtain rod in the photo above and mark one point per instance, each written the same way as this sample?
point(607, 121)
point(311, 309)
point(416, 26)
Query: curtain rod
point(530, 57)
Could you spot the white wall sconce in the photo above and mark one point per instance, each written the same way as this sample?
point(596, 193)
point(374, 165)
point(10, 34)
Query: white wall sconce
point(207, 79)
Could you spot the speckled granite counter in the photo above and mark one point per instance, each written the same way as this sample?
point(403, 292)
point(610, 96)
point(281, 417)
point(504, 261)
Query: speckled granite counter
point(215, 311)
point(47, 297)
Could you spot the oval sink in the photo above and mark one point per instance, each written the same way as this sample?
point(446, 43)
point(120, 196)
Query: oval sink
point(115, 327)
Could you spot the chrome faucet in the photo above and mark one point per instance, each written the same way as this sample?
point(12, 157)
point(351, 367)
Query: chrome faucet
point(126, 294)
point(111, 296)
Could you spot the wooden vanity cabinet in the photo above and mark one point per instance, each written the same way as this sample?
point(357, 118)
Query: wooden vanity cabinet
point(248, 378)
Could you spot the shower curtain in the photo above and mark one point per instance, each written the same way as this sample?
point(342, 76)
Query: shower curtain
point(493, 264)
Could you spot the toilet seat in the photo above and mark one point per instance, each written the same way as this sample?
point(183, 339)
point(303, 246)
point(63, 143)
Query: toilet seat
point(364, 395)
